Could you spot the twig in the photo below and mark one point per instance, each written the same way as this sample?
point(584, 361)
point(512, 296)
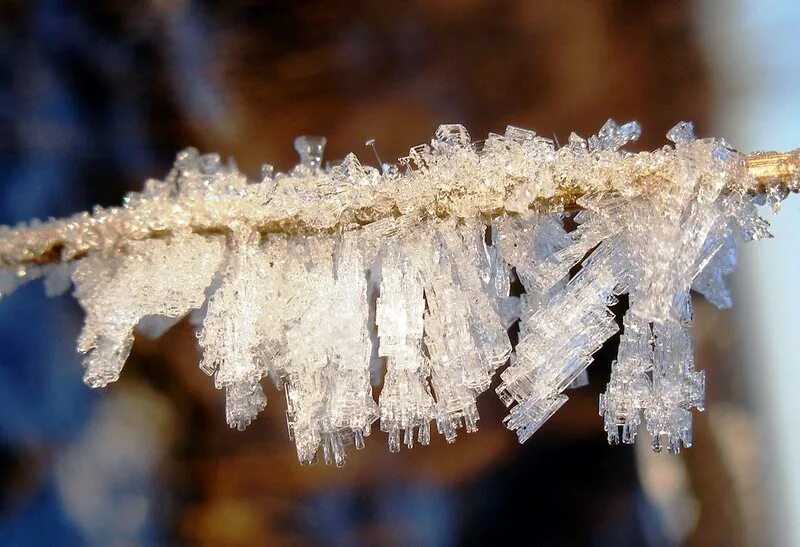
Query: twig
point(68, 239)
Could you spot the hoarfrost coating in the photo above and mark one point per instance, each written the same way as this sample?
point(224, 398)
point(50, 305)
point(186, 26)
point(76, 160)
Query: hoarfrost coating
point(290, 277)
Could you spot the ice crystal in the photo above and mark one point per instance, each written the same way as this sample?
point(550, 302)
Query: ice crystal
point(405, 401)
point(117, 291)
point(231, 339)
point(323, 277)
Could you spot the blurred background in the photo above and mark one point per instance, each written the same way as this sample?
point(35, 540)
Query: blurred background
point(97, 96)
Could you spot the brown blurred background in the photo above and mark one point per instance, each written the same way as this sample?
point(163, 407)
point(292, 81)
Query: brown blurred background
point(96, 97)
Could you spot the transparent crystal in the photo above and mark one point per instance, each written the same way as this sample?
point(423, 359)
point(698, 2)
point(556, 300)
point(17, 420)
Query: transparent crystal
point(681, 133)
point(613, 136)
point(155, 277)
point(11, 278)
point(231, 339)
point(321, 278)
point(406, 401)
point(311, 150)
point(453, 134)
point(559, 340)
point(630, 389)
point(677, 388)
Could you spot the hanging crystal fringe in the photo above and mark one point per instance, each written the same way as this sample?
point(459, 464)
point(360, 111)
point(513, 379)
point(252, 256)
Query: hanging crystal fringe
point(425, 291)
point(118, 291)
point(406, 401)
point(231, 339)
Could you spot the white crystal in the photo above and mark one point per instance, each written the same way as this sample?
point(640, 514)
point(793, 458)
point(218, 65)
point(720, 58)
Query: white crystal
point(232, 340)
point(613, 136)
point(677, 388)
point(406, 401)
point(154, 277)
point(11, 278)
point(310, 150)
point(559, 341)
point(321, 277)
point(630, 389)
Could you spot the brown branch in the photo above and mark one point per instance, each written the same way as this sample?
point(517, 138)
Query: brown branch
point(775, 169)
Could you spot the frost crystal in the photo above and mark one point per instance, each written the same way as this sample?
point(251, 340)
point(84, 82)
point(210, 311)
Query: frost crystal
point(405, 401)
point(321, 278)
point(231, 338)
point(117, 291)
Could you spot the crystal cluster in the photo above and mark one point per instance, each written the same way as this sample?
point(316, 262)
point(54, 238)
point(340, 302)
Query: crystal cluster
point(232, 338)
point(329, 280)
point(406, 401)
point(118, 290)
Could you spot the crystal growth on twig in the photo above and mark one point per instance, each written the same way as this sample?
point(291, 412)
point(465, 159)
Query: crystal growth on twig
point(331, 279)
point(154, 277)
